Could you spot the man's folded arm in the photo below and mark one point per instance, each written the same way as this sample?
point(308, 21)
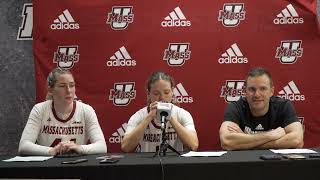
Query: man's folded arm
point(292, 139)
point(233, 138)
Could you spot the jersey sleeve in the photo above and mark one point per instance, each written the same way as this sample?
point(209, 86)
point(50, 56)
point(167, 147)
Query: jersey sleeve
point(134, 121)
point(95, 134)
point(186, 119)
point(27, 145)
point(289, 114)
point(231, 113)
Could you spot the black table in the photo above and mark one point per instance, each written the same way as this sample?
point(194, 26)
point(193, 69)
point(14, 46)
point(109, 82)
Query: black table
point(231, 166)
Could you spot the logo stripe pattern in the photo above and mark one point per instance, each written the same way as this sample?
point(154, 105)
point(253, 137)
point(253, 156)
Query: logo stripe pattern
point(121, 54)
point(121, 130)
point(291, 88)
point(175, 15)
point(180, 91)
point(64, 17)
point(233, 51)
point(289, 11)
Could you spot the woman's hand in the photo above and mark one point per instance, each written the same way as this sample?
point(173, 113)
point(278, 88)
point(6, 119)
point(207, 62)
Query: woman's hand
point(153, 110)
point(66, 147)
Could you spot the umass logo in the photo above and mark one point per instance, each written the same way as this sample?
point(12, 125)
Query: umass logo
point(120, 17)
point(123, 93)
point(66, 56)
point(231, 14)
point(232, 90)
point(177, 54)
point(289, 51)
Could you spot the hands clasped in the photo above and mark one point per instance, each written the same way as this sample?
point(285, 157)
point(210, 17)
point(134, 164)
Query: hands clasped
point(157, 108)
point(65, 147)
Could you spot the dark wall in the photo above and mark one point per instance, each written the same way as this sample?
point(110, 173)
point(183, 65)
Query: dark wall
point(17, 87)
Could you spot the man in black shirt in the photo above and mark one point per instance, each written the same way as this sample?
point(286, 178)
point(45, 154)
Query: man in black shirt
point(260, 120)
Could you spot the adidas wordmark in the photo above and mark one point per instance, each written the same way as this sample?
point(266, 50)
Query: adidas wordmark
point(121, 58)
point(64, 21)
point(233, 55)
point(175, 19)
point(288, 16)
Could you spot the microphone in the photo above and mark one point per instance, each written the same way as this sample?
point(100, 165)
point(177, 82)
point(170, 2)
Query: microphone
point(163, 112)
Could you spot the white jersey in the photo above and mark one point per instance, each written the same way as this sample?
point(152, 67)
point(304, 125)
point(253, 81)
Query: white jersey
point(45, 129)
point(153, 135)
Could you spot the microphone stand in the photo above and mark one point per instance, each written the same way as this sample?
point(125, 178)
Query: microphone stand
point(164, 144)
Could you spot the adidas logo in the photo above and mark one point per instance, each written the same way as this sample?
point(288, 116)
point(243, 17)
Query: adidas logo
point(233, 55)
point(291, 92)
point(181, 95)
point(175, 19)
point(76, 122)
point(121, 58)
point(288, 16)
point(259, 128)
point(118, 135)
point(64, 21)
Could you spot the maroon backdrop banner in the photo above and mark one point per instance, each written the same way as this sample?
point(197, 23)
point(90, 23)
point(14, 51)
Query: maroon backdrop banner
point(207, 46)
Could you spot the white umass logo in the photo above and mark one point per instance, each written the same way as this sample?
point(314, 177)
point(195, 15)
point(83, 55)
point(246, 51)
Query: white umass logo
point(181, 95)
point(301, 120)
point(25, 30)
point(177, 54)
point(121, 58)
point(64, 21)
point(120, 17)
point(291, 92)
point(231, 14)
point(233, 55)
point(289, 51)
point(175, 19)
point(123, 93)
point(232, 90)
point(118, 135)
point(288, 16)
point(66, 56)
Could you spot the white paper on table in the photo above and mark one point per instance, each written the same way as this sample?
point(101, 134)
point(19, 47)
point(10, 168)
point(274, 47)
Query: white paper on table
point(293, 151)
point(28, 158)
point(204, 154)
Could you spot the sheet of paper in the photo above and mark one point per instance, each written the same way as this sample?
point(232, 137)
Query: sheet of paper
point(293, 151)
point(28, 158)
point(204, 154)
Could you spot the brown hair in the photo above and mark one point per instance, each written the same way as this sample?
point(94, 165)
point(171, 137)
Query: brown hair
point(52, 78)
point(159, 75)
point(259, 71)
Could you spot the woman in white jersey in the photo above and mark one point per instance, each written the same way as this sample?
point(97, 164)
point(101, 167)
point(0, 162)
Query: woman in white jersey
point(62, 125)
point(143, 133)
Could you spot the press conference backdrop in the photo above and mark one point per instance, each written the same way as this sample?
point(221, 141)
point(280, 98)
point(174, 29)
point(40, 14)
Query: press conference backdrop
point(112, 47)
